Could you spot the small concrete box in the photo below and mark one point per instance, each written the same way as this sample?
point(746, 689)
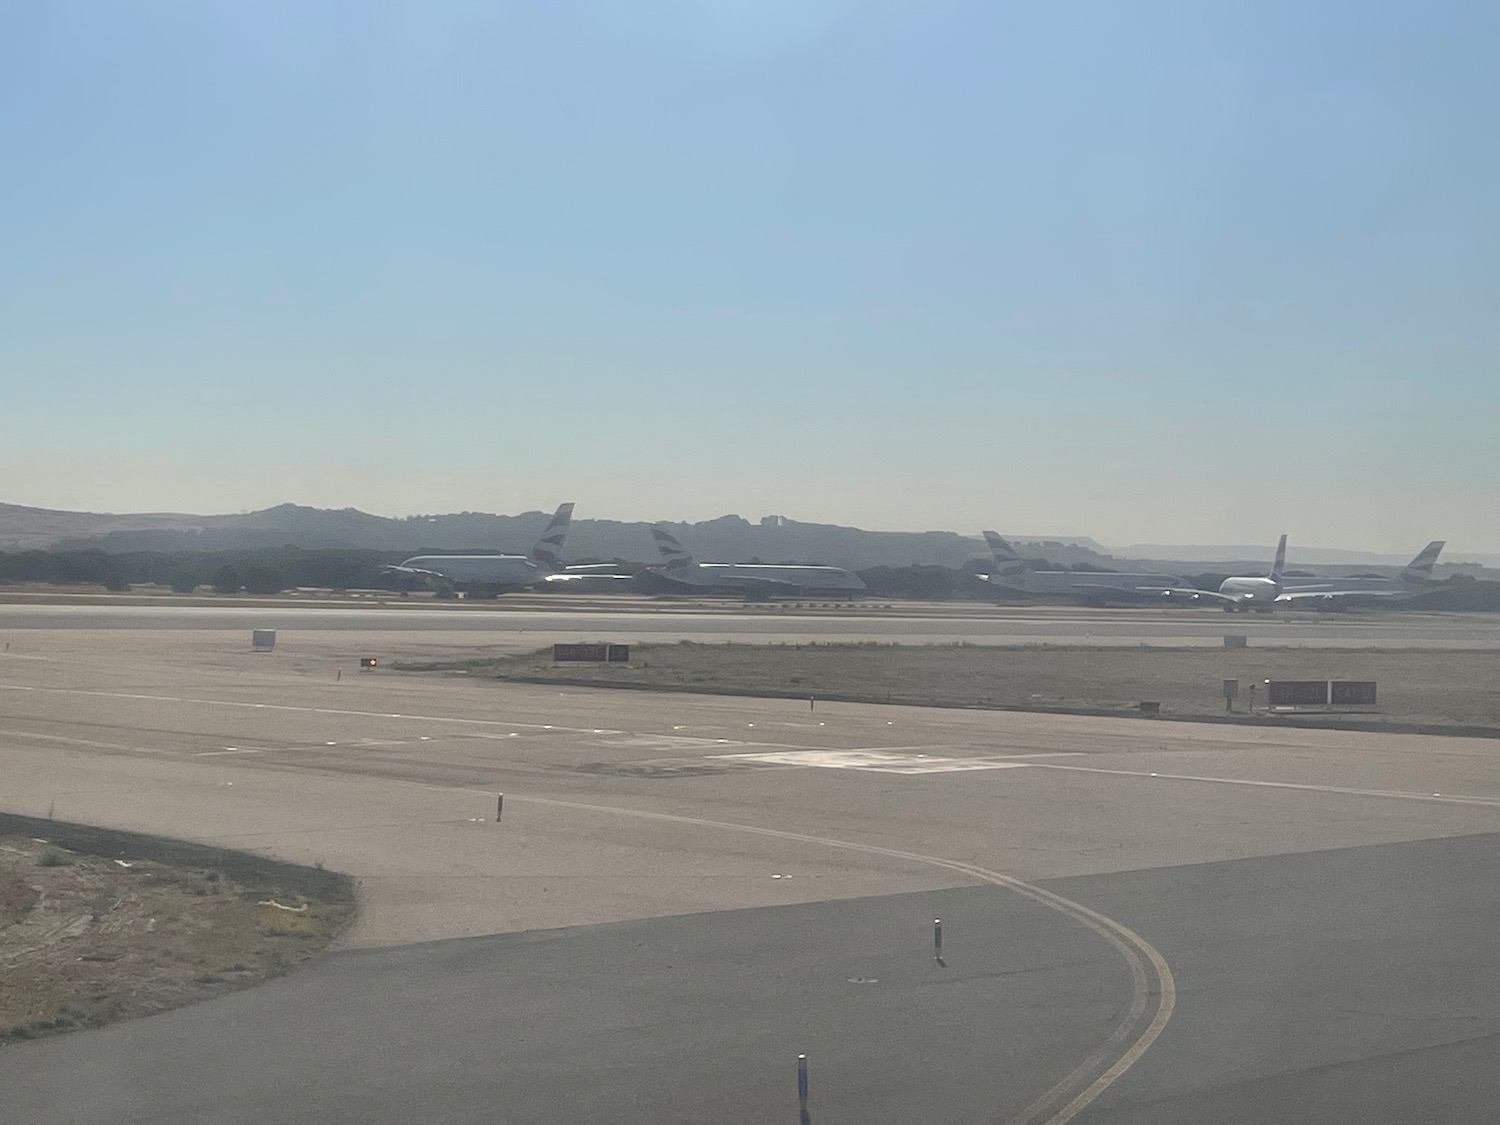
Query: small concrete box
point(263, 640)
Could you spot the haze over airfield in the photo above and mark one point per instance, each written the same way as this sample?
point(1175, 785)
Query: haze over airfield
point(1157, 272)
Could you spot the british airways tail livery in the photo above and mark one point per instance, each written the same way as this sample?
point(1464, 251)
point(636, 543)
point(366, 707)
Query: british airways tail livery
point(1265, 594)
point(548, 550)
point(496, 573)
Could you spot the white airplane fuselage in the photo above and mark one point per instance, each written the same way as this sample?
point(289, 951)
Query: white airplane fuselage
point(484, 570)
point(758, 576)
point(1250, 593)
point(1312, 593)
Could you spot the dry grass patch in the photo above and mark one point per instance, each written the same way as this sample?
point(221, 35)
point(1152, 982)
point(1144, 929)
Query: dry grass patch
point(1437, 687)
point(86, 940)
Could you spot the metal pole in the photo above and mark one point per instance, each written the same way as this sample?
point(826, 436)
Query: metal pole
point(802, 1084)
point(937, 939)
point(499, 806)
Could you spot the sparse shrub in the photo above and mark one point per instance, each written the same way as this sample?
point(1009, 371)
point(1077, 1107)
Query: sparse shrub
point(263, 580)
point(53, 856)
point(184, 582)
point(227, 580)
point(100, 903)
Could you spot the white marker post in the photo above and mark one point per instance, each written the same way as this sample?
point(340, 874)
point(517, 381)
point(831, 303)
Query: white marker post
point(802, 1086)
point(937, 940)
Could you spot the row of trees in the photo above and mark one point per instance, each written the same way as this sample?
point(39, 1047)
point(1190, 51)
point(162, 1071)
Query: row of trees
point(272, 570)
point(267, 571)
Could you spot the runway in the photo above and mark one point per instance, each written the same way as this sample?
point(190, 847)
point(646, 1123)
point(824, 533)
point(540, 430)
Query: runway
point(530, 621)
point(685, 892)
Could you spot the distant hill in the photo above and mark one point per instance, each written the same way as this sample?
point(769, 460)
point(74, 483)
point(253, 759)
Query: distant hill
point(725, 539)
point(24, 529)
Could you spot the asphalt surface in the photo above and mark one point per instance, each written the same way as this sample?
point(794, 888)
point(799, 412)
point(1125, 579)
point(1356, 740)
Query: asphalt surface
point(685, 892)
point(540, 621)
point(687, 1019)
point(1359, 985)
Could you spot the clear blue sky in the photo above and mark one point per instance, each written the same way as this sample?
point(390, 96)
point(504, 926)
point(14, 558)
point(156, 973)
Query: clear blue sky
point(1150, 272)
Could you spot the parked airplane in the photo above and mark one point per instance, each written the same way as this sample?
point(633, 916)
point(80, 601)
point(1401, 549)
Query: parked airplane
point(751, 579)
point(501, 573)
point(1263, 594)
point(1246, 593)
point(1414, 575)
point(1086, 585)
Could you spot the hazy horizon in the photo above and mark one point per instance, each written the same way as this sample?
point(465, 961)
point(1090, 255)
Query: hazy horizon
point(1310, 553)
point(1165, 273)
point(1450, 554)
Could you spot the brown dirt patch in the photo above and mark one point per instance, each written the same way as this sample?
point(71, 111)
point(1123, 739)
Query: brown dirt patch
point(86, 940)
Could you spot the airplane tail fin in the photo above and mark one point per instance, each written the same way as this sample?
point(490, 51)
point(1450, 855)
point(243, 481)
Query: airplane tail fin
point(1007, 562)
point(674, 555)
point(1280, 562)
point(1420, 568)
point(548, 549)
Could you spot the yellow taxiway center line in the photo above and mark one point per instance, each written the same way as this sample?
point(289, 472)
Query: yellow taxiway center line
point(1136, 950)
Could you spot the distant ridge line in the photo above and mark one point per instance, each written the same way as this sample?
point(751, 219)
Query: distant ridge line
point(725, 538)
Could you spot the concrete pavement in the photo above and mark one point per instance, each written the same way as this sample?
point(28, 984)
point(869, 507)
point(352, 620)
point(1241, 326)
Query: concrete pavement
point(777, 848)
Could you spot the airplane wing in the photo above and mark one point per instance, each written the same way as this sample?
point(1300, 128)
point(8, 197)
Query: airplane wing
point(423, 571)
point(589, 577)
point(1191, 593)
point(1004, 581)
point(1144, 589)
point(1148, 591)
point(1293, 596)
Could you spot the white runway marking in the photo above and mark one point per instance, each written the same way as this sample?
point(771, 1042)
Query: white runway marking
point(872, 761)
point(1343, 790)
point(89, 742)
point(301, 710)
